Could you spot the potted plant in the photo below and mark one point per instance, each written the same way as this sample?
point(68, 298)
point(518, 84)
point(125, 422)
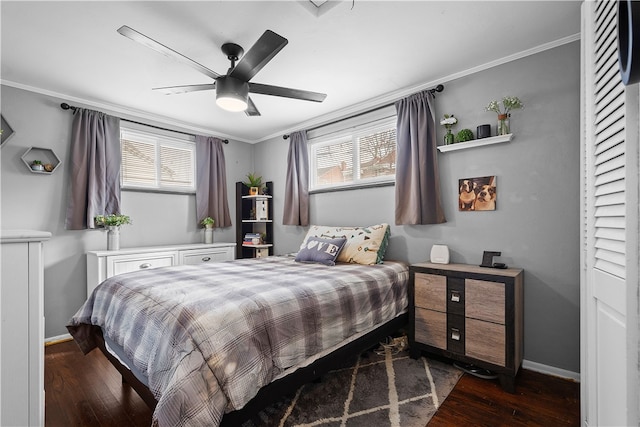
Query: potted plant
point(254, 182)
point(36, 165)
point(208, 222)
point(113, 220)
point(448, 122)
point(509, 103)
point(465, 135)
point(112, 223)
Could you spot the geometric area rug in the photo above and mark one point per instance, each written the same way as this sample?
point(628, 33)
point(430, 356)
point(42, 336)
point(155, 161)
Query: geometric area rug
point(383, 388)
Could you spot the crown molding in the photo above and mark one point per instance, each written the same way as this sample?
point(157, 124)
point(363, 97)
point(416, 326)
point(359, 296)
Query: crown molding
point(126, 113)
point(392, 97)
point(344, 113)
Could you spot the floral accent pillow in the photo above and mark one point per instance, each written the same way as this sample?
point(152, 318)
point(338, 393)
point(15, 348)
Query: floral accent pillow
point(319, 250)
point(364, 245)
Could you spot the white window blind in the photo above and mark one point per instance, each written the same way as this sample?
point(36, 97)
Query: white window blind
point(358, 156)
point(157, 162)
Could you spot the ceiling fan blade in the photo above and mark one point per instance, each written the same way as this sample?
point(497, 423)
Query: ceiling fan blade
point(166, 51)
point(267, 46)
point(173, 90)
point(251, 110)
point(286, 92)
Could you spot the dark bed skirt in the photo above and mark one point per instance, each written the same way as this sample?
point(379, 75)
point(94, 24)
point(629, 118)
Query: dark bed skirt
point(276, 390)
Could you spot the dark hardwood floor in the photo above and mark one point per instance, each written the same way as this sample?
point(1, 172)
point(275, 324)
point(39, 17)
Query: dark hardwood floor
point(88, 391)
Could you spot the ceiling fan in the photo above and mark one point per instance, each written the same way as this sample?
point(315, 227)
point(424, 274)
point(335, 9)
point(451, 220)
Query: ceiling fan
point(232, 89)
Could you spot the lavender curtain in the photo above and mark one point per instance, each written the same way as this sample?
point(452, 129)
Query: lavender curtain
point(95, 168)
point(211, 181)
point(296, 193)
point(417, 181)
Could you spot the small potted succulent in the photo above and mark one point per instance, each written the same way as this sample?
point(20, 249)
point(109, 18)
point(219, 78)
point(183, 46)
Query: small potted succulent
point(254, 182)
point(37, 165)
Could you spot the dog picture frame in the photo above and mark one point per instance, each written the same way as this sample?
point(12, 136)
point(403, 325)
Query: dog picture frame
point(477, 194)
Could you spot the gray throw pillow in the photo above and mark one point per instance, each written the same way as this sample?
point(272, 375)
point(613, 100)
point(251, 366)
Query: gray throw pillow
point(320, 250)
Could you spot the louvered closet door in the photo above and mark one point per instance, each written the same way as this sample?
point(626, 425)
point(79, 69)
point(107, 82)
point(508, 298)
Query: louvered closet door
point(608, 369)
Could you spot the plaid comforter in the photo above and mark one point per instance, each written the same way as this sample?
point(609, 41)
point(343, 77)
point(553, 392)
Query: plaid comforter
point(208, 336)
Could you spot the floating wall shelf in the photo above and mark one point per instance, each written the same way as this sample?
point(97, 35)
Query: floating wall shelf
point(475, 143)
point(7, 131)
point(45, 155)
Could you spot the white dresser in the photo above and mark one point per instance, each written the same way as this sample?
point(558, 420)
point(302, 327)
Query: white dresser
point(22, 332)
point(104, 264)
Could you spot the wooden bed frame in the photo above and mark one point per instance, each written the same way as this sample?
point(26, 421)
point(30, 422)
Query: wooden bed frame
point(276, 390)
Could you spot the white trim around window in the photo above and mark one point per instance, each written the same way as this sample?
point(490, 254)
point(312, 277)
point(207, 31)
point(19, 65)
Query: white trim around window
point(361, 156)
point(156, 162)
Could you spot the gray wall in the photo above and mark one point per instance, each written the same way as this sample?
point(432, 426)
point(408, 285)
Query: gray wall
point(32, 201)
point(536, 224)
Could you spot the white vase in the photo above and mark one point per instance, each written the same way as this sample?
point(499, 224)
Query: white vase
point(113, 238)
point(208, 235)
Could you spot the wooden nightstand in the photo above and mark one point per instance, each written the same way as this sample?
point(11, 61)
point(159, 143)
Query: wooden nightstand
point(470, 314)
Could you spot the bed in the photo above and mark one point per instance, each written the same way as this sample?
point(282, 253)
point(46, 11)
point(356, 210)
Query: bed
point(204, 342)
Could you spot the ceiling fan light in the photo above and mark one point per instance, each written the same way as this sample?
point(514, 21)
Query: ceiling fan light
point(232, 94)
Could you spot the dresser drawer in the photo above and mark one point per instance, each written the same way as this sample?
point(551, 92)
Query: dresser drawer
point(485, 300)
point(127, 263)
point(431, 328)
point(206, 256)
point(431, 291)
point(485, 341)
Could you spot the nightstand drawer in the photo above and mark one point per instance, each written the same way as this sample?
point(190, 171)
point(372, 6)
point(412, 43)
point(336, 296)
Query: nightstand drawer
point(431, 291)
point(485, 341)
point(431, 328)
point(126, 264)
point(485, 300)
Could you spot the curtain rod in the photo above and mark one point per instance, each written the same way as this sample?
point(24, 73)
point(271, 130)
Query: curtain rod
point(66, 106)
point(438, 88)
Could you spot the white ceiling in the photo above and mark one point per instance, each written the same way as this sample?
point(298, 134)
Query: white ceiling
point(360, 53)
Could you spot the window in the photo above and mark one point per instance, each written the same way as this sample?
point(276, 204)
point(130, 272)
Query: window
point(156, 162)
point(371, 148)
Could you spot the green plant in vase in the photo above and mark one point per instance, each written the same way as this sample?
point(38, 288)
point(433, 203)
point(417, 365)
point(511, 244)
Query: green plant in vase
point(509, 103)
point(448, 122)
point(113, 220)
point(208, 222)
point(112, 223)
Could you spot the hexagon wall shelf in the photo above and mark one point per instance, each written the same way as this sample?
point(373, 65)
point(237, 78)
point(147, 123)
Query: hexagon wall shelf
point(7, 131)
point(45, 155)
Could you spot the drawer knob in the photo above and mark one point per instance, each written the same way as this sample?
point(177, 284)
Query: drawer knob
point(206, 258)
point(145, 265)
point(455, 296)
point(455, 334)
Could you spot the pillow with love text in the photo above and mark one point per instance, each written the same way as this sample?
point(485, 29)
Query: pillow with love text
point(319, 250)
point(365, 245)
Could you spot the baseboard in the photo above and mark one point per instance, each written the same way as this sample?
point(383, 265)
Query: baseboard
point(57, 339)
point(550, 370)
point(526, 364)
